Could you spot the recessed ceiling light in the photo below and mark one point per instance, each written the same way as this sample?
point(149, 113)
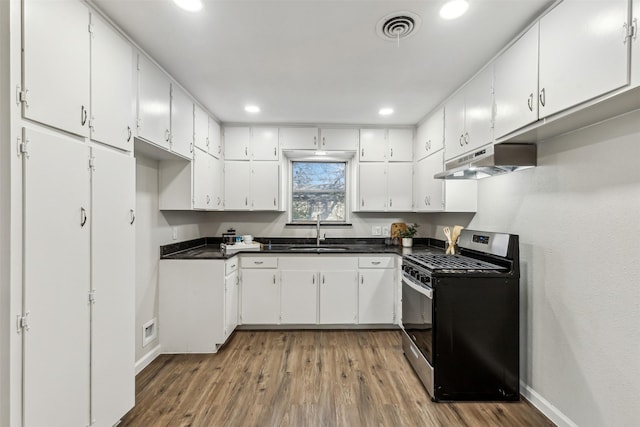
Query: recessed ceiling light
point(252, 109)
point(190, 5)
point(385, 111)
point(454, 9)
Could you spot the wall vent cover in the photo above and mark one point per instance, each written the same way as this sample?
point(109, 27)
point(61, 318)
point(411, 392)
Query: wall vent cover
point(398, 25)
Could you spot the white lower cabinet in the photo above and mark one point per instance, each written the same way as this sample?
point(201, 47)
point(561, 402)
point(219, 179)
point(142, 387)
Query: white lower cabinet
point(376, 291)
point(260, 291)
point(298, 297)
point(78, 254)
point(339, 296)
point(191, 305)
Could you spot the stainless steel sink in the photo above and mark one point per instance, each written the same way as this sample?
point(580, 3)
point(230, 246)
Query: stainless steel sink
point(317, 248)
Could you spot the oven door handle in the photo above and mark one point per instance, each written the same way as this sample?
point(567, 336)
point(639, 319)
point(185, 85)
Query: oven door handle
point(427, 292)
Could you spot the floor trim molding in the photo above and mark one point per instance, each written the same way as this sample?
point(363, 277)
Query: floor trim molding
point(145, 360)
point(544, 406)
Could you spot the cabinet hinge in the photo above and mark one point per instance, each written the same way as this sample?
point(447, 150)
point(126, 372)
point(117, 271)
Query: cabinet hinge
point(22, 322)
point(92, 296)
point(630, 30)
point(21, 96)
point(90, 29)
point(92, 163)
point(91, 122)
point(23, 148)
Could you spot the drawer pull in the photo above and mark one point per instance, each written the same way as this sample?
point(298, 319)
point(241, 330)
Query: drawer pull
point(375, 262)
point(258, 262)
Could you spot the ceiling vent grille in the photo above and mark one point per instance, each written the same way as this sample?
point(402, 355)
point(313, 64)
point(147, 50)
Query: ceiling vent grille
point(398, 25)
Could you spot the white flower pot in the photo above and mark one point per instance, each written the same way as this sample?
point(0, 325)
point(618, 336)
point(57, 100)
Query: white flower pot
point(407, 242)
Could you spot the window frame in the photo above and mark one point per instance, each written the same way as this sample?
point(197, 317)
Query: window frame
point(347, 190)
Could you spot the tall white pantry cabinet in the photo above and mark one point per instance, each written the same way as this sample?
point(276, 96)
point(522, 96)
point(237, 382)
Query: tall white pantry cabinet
point(76, 319)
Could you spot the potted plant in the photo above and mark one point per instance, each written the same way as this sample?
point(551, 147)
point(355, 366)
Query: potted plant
point(407, 235)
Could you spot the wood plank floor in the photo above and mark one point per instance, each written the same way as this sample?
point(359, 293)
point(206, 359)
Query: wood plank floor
point(304, 378)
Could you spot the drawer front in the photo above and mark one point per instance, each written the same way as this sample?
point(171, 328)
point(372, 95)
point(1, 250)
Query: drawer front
point(376, 262)
point(231, 265)
point(259, 262)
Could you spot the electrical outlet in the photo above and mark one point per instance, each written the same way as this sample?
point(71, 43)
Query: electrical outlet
point(174, 233)
point(375, 230)
point(385, 230)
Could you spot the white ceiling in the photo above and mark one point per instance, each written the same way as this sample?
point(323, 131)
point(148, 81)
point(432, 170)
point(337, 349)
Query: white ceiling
point(319, 61)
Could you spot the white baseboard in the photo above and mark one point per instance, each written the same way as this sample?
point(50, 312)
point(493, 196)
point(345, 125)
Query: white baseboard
point(147, 358)
point(544, 406)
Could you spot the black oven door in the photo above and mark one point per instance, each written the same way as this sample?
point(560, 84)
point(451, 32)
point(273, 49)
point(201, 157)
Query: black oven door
point(417, 315)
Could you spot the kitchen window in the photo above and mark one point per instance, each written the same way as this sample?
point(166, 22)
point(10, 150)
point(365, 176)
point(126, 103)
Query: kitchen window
point(318, 188)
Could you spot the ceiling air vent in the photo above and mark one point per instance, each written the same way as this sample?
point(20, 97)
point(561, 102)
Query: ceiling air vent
point(398, 25)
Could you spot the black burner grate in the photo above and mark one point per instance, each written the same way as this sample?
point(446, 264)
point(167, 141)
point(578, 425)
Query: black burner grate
point(451, 262)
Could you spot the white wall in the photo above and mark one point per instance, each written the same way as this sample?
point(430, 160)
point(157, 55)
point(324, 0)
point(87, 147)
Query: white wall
point(577, 215)
point(153, 228)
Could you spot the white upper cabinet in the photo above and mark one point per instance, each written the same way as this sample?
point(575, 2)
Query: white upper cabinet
point(373, 145)
point(56, 64)
point(635, 45)
point(372, 180)
point(181, 122)
point(215, 141)
point(399, 183)
point(583, 53)
point(217, 174)
point(265, 186)
point(516, 85)
point(400, 145)
point(430, 135)
point(201, 128)
point(236, 143)
point(264, 143)
point(338, 139)
point(468, 116)
point(303, 138)
point(154, 104)
point(112, 98)
point(203, 183)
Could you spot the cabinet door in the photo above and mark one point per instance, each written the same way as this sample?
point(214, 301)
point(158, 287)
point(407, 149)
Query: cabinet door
point(635, 45)
point(112, 99)
point(339, 139)
point(298, 138)
point(56, 281)
point(215, 141)
point(338, 297)
point(236, 143)
point(430, 135)
point(154, 104)
point(203, 180)
point(237, 185)
point(217, 191)
point(373, 145)
point(400, 145)
point(56, 64)
point(585, 62)
point(231, 303)
point(264, 143)
point(427, 191)
point(516, 85)
point(298, 297)
point(478, 110)
point(376, 296)
point(181, 122)
point(113, 280)
point(265, 186)
point(260, 299)
point(372, 182)
point(400, 187)
point(201, 129)
point(454, 126)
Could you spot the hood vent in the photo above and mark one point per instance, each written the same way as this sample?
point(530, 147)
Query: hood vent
point(491, 160)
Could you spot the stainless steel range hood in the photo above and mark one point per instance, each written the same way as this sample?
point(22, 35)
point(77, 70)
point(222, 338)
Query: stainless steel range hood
point(493, 159)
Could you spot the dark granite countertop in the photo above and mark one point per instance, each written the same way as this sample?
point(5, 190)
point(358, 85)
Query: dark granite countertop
point(209, 247)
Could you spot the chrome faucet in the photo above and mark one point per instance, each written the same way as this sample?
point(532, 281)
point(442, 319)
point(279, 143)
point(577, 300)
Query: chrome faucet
point(318, 238)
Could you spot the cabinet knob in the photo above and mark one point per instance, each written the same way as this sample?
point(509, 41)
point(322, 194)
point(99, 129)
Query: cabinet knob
point(129, 133)
point(391, 152)
point(83, 217)
point(324, 142)
point(167, 135)
point(530, 101)
point(315, 140)
point(83, 115)
point(543, 97)
point(461, 140)
point(132, 215)
point(466, 138)
point(362, 153)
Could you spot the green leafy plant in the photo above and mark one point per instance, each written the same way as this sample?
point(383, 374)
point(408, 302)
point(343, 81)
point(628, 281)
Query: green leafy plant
point(410, 231)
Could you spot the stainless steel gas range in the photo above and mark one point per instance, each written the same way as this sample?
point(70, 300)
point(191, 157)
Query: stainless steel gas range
point(460, 318)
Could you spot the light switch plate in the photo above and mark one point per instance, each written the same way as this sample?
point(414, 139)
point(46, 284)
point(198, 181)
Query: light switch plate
point(375, 230)
point(385, 230)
